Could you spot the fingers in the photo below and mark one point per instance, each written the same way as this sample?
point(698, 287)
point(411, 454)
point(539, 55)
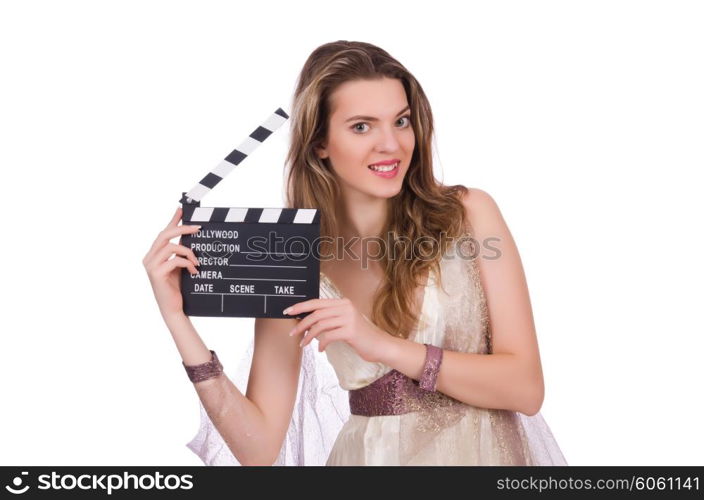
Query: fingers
point(310, 305)
point(164, 237)
point(320, 327)
point(175, 218)
point(172, 248)
point(311, 319)
point(172, 264)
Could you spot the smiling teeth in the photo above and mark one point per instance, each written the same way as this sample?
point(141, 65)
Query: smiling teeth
point(384, 168)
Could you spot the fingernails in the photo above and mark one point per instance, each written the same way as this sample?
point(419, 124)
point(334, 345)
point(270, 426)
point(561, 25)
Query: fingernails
point(287, 310)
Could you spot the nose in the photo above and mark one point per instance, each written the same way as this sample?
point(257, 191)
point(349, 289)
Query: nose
point(388, 140)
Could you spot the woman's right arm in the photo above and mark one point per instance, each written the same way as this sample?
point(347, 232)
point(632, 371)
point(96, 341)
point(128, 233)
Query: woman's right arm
point(253, 426)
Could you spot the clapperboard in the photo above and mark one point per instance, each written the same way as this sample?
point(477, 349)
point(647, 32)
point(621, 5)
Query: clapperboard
point(254, 262)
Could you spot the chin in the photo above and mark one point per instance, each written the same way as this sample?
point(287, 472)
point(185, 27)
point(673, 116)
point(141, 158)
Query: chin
point(389, 191)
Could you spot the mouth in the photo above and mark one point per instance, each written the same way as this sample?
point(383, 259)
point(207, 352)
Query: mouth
point(385, 171)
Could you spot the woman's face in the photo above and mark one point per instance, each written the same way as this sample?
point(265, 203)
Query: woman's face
point(369, 123)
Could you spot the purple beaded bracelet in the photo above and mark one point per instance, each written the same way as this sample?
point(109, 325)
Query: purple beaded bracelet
point(204, 371)
point(433, 358)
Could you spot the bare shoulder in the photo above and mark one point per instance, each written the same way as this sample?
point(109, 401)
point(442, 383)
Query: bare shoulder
point(482, 210)
point(476, 198)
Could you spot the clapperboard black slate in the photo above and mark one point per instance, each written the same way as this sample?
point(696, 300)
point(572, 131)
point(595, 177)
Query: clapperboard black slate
point(254, 262)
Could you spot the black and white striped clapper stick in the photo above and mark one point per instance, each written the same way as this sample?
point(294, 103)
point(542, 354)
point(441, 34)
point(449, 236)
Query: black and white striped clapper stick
point(252, 142)
point(254, 262)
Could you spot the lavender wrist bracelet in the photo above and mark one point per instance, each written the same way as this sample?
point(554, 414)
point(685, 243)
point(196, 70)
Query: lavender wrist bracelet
point(431, 368)
point(204, 371)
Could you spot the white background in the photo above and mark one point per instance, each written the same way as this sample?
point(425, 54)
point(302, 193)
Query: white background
point(582, 119)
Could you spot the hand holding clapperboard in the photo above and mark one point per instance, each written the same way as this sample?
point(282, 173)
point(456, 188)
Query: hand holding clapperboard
point(254, 262)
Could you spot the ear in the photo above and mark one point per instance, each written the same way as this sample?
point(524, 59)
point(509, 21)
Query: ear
point(321, 151)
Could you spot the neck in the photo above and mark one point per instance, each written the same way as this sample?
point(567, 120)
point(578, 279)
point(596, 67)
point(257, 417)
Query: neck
point(362, 216)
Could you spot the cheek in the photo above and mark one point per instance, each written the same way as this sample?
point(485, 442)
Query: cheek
point(351, 153)
point(409, 140)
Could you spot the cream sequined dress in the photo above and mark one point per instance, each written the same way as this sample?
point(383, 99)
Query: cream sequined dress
point(439, 431)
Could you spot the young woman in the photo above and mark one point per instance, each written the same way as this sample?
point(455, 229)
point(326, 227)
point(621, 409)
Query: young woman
point(424, 312)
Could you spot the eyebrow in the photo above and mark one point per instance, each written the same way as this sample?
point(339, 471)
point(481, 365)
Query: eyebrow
point(371, 118)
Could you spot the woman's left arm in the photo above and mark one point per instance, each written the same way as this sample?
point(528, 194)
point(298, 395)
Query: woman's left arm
point(511, 377)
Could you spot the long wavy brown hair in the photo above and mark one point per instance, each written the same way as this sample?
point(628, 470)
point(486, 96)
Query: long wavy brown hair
point(425, 211)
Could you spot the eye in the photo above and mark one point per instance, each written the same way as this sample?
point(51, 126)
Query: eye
point(356, 130)
point(356, 125)
point(408, 118)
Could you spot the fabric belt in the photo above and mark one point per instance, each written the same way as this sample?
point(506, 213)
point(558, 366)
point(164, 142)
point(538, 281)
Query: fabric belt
point(392, 394)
